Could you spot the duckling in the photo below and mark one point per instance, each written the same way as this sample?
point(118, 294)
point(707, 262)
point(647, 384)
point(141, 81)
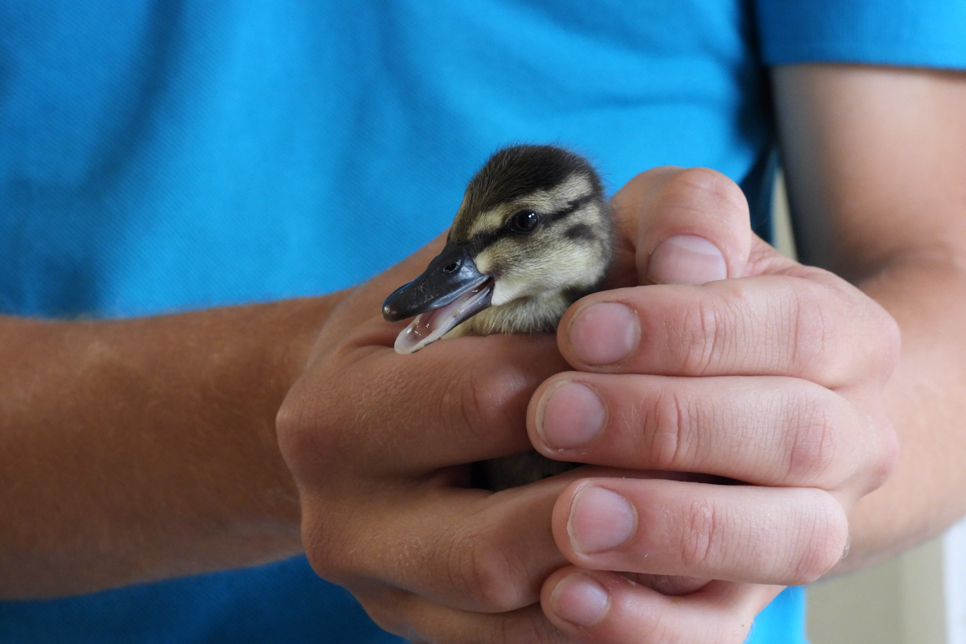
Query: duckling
point(532, 236)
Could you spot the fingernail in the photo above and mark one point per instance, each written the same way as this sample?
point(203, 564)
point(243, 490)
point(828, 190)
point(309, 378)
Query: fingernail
point(604, 333)
point(580, 600)
point(686, 259)
point(570, 415)
point(600, 520)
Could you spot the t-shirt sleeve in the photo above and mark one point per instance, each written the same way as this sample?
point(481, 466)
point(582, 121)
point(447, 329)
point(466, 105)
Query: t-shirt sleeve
point(911, 33)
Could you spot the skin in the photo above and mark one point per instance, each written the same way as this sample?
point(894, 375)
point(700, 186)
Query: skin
point(109, 471)
point(377, 444)
point(874, 163)
point(899, 233)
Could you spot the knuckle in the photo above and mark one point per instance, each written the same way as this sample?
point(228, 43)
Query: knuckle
point(826, 540)
point(890, 340)
point(698, 535)
point(812, 333)
point(667, 429)
point(390, 615)
point(326, 550)
point(818, 314)
point(479, 402)
point(469, 403)
point(488, 576)
point(288, 428)
point(882, 339)
point(305, 433)
point(704, 184)
point(700, 336)
point(813, 441)
point(886, 455)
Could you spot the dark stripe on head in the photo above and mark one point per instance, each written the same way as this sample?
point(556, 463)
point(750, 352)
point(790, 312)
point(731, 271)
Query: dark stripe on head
point(515, 172)
point(481, 240)
point(580, 232)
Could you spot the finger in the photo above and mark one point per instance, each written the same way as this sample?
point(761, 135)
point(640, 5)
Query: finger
point(787, 536)
point(761, 430)
point(421, 620)
point(703, 214)
point(467, 549)
point(456, 401)
point(459, 402)
point(608, 608)
point(766, 325)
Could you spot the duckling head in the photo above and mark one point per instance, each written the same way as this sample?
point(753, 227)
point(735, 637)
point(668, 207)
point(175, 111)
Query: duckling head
point(532, 235)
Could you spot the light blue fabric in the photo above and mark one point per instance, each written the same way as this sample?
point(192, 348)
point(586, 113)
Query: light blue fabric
point(167, 155)
point(914, 33)
point(783, 621)
point(281, 602)
point(174, 154)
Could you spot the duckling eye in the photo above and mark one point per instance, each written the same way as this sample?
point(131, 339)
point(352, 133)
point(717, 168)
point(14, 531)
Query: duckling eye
point(523, 222)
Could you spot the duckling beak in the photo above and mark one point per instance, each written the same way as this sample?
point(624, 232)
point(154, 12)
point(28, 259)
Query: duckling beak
point(449, 291)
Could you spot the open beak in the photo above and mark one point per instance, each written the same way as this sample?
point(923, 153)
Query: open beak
point(449, 291)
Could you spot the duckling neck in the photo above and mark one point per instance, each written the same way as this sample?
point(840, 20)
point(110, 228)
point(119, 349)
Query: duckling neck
point(536, 314)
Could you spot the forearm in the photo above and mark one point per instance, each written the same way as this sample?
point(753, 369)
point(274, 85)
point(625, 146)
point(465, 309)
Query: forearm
point(925, 400)
point(142, 449)
point(875, 158)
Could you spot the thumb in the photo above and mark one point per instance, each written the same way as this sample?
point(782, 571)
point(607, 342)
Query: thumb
point(687, 226)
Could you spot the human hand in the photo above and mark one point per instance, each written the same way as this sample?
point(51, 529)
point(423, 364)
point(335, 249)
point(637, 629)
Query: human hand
point(380, 446)
point(737, 363)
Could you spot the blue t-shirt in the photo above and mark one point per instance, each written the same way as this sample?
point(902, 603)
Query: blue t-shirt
point(168, 155)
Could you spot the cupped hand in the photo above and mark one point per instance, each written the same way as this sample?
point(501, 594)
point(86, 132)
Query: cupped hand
point(733, 361)
point(379, 444)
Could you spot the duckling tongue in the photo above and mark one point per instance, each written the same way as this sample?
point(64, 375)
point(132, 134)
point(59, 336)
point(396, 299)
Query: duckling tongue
point(429, 327)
